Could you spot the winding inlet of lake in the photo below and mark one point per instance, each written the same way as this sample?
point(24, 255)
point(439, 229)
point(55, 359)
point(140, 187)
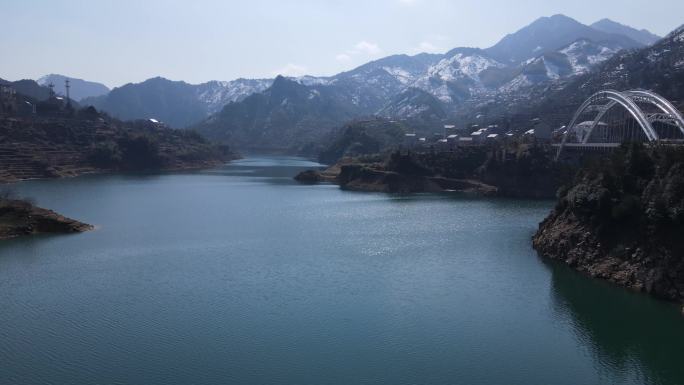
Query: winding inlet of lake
point(239, 275)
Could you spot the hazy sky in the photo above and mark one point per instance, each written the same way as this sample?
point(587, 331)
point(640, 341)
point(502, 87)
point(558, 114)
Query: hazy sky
point(121, 41)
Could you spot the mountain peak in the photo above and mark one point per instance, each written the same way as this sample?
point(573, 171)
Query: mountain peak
point(556, 19)
point(560, 16)
point(283, 87)
point(281, 81)
point(550, 34)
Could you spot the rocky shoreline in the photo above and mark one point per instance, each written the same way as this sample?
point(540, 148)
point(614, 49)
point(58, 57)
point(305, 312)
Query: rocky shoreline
point(76, 172)
point(622, 221)
point(470, 171)
point(20, 218)
point(367, 178)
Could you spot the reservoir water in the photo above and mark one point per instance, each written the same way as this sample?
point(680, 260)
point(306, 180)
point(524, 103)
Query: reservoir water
point(241, 276)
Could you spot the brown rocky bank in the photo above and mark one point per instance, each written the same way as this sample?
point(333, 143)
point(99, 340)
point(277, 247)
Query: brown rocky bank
point(524, 171)
point(18, 218)
point(376, 179)
point(398, 174)
point(623, 220)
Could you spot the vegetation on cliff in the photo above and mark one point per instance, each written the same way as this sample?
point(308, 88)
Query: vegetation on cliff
point(87, 141)
point(623, 220)
point(362, 137)
point(526, 171)
point(404, 173)
point(512, 170)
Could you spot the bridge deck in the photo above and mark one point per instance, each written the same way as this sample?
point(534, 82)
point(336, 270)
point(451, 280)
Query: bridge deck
point(671, 142)
point(588, 145)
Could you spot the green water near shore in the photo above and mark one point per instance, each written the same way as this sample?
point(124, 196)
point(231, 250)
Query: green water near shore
point(241, 276)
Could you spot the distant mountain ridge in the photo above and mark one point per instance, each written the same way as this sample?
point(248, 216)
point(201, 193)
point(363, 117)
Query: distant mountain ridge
point(549, 34)
point(550, 51)
point(79, 88)
point(547, 53)
point(284, 116)
point(177, 103)
point(526, 58)
point(642, 36)
point(659, 68)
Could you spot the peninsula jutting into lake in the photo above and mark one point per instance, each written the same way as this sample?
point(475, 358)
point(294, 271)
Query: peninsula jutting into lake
point(362, 204)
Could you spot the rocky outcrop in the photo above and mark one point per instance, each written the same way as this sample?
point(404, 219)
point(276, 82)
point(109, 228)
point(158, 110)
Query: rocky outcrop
point(516, 170)
point(309, 177)
point(18, 218)
point(398, 174)
point(623, 220)
point(368, 178)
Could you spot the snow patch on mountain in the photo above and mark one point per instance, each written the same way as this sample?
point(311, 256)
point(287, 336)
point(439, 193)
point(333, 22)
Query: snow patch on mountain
point(519, 82)
point(460, 66)
point(552, 70)
point(584, 54)
point(312, 81)
point(314, 94)
point(410, 111)
point(459, 69)
point(679, 35)
point(216, 94)
point(402, 75)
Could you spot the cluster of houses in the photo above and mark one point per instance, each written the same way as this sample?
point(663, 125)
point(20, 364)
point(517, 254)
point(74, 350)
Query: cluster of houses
point(452, 137)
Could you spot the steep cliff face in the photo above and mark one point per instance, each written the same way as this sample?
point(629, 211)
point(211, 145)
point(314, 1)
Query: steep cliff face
point(526, 172)
point(623, 220)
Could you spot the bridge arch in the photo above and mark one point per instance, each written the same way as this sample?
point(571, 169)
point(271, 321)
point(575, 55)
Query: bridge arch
point(603, 102)
point(664, 105)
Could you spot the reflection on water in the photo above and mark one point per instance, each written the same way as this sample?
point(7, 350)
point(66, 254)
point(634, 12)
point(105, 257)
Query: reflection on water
point(624, 331)
point(272, 169)
point(241, 275)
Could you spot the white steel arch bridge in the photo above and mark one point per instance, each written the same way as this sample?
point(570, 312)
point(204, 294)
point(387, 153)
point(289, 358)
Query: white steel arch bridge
point(609, 118)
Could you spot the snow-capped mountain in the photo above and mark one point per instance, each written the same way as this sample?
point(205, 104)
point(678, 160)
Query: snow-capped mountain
point(549, 34)
point(584, 54)
point(456, 77)
point(659, 67)
point(550, 50)
point(371, 85)
point(177, 104)
point(577, 58)
point(546, 54)
point(414, 103)
point(465, 73)
point(216, 94)
point(285, 115)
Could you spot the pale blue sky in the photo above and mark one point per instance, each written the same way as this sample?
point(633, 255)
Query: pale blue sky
point(121, 41)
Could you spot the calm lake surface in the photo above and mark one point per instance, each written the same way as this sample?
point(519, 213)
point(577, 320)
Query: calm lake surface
point(240, 276)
